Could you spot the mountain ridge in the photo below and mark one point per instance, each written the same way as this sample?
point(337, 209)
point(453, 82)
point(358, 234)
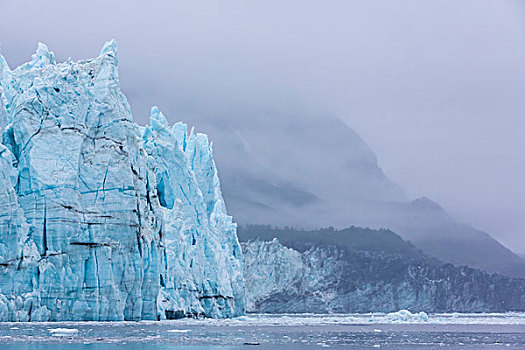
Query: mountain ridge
point(325, 277)
point(320, 174)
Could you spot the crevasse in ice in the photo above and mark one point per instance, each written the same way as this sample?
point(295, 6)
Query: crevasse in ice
point(101, 219)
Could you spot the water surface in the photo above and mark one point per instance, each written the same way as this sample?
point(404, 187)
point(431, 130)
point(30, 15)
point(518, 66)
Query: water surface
point(349, 331)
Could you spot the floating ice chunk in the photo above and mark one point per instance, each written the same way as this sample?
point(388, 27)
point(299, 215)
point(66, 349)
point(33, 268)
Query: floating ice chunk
point(407, 316)
point(63, 330)
point(178, 330)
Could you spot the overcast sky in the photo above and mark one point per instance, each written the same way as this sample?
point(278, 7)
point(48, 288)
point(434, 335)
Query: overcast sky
point(436, 88)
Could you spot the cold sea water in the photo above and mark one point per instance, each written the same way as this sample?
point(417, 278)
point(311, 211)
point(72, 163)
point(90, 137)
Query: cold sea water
point(349, 331)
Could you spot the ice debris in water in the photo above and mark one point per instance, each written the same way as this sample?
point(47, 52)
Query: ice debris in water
point(101, 219)
point(62, 330)
point(407, 316)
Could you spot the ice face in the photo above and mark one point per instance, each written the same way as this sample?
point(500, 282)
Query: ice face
point(190, 200)
point(321, 278)
point(103, 219)
point(281, 278)
point(272, 268)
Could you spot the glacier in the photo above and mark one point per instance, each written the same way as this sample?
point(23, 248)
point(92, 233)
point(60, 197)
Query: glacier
point(311, 277)
point(102, 219)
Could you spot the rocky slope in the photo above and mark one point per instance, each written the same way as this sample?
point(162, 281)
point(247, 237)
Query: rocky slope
point(101, 219)
point(305, 275)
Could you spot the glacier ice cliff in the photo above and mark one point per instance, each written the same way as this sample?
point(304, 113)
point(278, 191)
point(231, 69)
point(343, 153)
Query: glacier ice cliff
point(102, 219)
point(324, 278)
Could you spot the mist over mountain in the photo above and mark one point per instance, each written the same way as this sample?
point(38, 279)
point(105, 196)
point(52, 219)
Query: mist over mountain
point(315, 160)
point(442, 108)
point(435, 87)
point(320, 173)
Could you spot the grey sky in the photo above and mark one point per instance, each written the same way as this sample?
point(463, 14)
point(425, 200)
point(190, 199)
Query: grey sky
point(436, 88)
